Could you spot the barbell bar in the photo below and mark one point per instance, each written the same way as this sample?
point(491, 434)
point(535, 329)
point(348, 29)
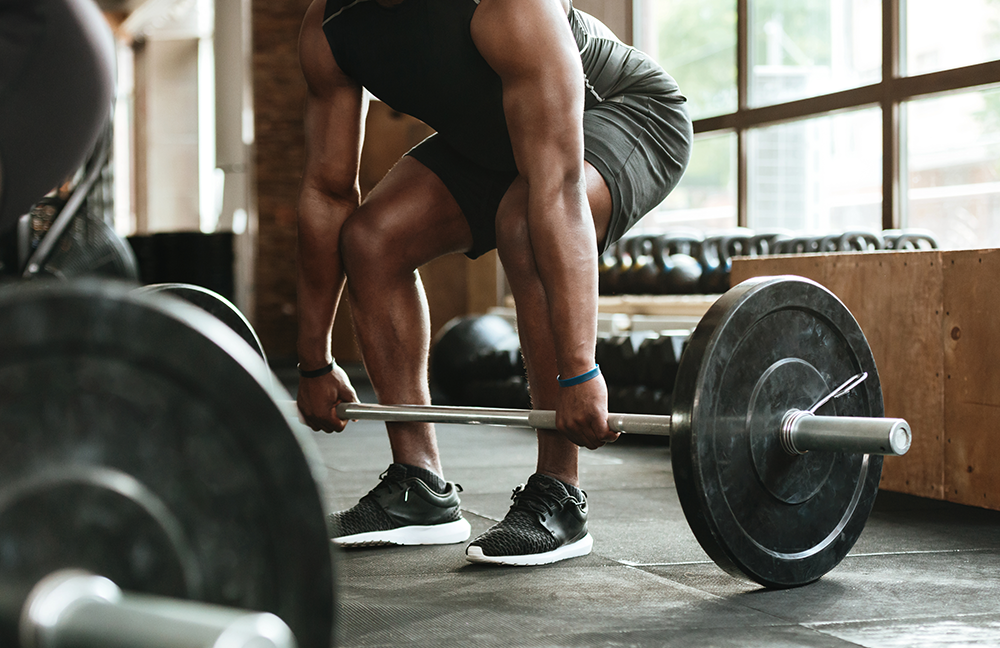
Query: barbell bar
point(800, 430)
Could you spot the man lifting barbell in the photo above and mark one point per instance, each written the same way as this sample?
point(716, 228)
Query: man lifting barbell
point(553, 139)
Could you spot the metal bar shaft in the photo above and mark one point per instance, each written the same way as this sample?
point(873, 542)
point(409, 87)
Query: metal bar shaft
point(435, 414)
point(71, 608)
point(802, 431)
point(538, 419)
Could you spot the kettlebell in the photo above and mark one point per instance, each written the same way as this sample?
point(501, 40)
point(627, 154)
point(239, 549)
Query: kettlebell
point(715, 264)
point(608, 271)
point(647, 271)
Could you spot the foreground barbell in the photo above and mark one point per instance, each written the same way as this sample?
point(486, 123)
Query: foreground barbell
point(141, 442)
point(74, 608)
point(776, 476)
point(214, 304)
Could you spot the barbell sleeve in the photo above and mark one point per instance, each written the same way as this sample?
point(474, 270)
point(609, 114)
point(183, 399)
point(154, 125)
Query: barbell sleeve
point(802, 431)
point(77, 609)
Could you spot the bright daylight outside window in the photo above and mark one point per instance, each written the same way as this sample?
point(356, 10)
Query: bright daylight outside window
point(822, 172)
point(803, 49)
point(953, 163)
point(819, 175)
point(695, 42)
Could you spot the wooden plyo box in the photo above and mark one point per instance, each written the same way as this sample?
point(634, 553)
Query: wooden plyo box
point(932, 321)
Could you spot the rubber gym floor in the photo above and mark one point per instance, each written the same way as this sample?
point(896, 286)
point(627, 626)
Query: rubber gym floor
point(923, 573)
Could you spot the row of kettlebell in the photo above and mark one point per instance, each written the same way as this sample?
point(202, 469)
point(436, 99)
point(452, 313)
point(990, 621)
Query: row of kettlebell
point(676, 263)
point(687, 261)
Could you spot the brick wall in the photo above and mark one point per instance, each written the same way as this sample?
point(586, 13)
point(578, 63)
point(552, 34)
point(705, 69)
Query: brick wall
point(279, 92)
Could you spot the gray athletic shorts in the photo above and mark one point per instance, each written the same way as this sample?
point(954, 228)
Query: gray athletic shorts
point(640, 144)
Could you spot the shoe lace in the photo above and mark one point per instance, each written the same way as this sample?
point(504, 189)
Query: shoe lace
point(389, 483)
point(543, 501)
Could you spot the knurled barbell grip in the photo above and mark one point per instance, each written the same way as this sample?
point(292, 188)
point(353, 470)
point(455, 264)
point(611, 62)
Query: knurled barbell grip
point(538, 419)
point(653, 424)
point(75, 608)
point(435, 414)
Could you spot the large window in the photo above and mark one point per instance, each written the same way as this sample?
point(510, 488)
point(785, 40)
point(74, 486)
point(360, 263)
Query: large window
point(953, 167)
point(827, 115)
point(696, 41)
point(821, 174)
point(803, 48)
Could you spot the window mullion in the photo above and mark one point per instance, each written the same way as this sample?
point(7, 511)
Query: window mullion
point(893, 162)
point(742, 103)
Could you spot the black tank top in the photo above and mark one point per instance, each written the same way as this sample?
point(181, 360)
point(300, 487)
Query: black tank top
point(419, 58)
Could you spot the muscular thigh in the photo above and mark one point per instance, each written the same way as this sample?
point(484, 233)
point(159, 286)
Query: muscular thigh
point(412, 216)
point(599, 197)
point(477, 189)
point(640, 145)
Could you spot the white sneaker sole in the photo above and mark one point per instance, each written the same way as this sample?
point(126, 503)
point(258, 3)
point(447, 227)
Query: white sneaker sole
point(448, 533)
point(581, 547)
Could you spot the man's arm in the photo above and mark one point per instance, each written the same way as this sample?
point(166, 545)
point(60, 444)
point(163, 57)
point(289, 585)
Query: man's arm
point(530, 45)
point(329, 194)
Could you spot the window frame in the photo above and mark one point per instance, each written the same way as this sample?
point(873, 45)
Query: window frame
point(890, 94)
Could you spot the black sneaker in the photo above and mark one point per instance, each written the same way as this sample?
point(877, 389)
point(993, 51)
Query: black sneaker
point(546, 523)
point(401, 510)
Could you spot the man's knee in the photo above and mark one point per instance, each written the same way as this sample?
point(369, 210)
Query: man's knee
point(365, 246)
point(513, 239)
point(512, 234)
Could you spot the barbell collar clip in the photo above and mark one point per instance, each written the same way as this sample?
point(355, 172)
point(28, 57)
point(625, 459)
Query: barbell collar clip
point(841, 391)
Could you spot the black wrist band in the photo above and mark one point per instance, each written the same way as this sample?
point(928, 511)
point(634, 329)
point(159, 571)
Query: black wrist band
point(315, 373)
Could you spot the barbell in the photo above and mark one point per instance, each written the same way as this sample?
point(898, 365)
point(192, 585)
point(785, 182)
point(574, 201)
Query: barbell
point(777, 430)
point(141, 442)
point(799, 431)
point(144, 447)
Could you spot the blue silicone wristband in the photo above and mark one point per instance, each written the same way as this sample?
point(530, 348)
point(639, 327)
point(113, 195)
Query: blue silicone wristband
point(582, 378)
